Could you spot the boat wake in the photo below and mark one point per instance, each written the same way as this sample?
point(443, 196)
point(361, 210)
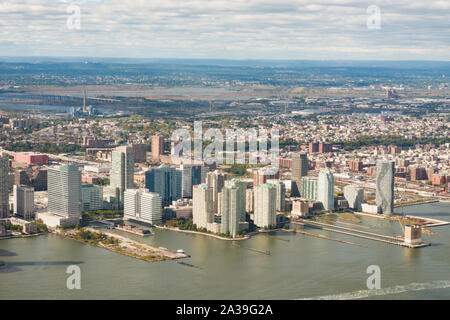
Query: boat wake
point(440, 284)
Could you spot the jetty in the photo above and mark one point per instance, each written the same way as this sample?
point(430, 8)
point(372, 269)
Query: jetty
point(399, 241)
point(266, 252)
point(328, 238)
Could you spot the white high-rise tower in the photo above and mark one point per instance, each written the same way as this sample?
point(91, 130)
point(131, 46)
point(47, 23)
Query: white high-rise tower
point(325, 189)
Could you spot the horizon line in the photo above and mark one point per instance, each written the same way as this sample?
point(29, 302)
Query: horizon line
point(220, 59)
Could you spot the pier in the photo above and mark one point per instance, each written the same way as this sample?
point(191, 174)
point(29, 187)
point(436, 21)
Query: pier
point(399, 241)
point(415, 203)
point(134, 230)
point(278, 238)
point(327, 238)
point(266, 252)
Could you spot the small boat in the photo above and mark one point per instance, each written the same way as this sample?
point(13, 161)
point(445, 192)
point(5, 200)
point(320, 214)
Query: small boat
point(180, 251)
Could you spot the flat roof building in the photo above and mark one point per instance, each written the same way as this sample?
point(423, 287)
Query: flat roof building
point(64, 190)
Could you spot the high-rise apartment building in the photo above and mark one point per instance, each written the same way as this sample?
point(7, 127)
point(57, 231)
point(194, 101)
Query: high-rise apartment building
point(229, 201)
point(309, 188)
point(325, 189)
point(418, 173)
point(23, 201)
point(191, 175)
point(64, 190)
point(91, 197)
point(299, 169)
point(165, 181)
point(157, 146)
point(325, 147)
point(132, 203)
point(249, 200)
point(258, 177)
point(313, 147)
point(139, 152)
point(385, 186)
point(355, 165)
point(299, 165)
point(319, 147)
point(216, 181)
point(142, 205)
point(202, 211)
point(241, 187)
point(151, 207)
point(4, 187)
point(265, 205)
point(261, 175)
point(122, 170)
point(354, 196)
point(281, 196)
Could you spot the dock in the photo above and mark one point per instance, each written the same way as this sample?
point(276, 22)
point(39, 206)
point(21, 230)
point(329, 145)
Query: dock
point(360, 234)
point(278, 238)
point(134, 230)
point(328, 238)
point(266, 252)
point(415, 203)
point(429, 222)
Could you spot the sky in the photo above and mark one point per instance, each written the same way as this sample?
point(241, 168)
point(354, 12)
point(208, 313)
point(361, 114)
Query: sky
point(228, 29)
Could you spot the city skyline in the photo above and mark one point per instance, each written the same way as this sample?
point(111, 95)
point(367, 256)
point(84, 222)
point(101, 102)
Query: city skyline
point(246, 152)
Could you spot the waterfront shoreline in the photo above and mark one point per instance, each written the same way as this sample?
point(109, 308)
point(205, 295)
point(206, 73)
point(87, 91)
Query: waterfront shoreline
point(416, 203)
point(430, 222)
point(113, 276)
point(23, 236)
point(246, 237)
point(156, 253)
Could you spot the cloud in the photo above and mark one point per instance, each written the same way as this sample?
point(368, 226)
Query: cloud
point(295, 29)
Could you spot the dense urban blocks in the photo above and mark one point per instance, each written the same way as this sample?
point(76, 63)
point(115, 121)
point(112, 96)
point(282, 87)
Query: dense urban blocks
point(385, 186)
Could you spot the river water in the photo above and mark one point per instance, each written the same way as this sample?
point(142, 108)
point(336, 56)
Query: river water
point(301, 267)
